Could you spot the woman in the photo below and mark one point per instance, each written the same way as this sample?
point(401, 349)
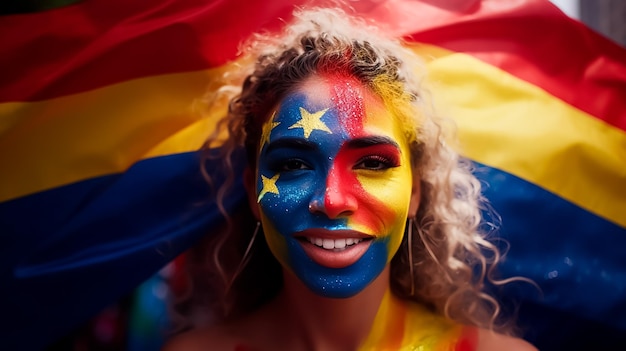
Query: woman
point(369, 219)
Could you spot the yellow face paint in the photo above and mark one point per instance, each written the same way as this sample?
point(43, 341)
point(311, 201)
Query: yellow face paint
point(391, 188)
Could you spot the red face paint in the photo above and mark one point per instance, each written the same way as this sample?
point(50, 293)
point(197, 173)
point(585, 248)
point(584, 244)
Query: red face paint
point(343, 186)
point(348, 99)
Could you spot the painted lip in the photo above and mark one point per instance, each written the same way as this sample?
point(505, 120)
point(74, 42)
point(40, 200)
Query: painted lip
point(352, 246)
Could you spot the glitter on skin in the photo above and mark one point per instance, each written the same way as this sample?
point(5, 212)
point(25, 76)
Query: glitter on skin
point(269, 186)
point(310, 122)
point(267, 129)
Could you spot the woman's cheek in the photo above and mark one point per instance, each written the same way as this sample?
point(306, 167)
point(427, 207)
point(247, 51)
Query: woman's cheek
point(288, 210)
point(392, 191)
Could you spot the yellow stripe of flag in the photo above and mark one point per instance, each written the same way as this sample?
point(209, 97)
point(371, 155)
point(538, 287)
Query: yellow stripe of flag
point(50, 143)
point(512, 125)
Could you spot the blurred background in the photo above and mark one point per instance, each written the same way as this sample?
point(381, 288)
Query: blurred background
point(607, 17)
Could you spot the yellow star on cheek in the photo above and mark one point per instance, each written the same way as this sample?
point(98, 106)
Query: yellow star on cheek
point(269, 186)
point(310, 122)
point(267, 130)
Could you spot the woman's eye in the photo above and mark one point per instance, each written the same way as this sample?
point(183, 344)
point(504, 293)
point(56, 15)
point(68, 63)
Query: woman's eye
point(293, 165)
point(374, 163)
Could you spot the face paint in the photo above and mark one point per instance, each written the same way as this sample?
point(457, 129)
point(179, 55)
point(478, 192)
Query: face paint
point(334, 184)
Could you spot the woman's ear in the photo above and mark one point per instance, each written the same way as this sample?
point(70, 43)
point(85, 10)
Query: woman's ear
point(416, 192)
point(249, 182)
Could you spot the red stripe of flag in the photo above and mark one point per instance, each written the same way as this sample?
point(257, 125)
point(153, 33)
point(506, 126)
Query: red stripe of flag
point(96, 43)
point(577, 66)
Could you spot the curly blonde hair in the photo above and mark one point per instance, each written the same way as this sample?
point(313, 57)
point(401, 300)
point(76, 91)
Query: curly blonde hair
point(449, 260)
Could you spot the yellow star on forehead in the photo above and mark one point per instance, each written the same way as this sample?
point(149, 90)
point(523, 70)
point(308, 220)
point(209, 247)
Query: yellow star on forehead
point(269, 186)
point(267, 129)
point(310, 122)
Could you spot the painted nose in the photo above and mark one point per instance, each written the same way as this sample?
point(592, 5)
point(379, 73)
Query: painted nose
point(338, 199)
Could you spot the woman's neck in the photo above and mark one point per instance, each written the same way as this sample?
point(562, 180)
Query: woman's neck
point(320, 323)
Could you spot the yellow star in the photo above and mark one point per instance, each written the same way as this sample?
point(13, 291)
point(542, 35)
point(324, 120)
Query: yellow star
point(311, 121)
point(269, 186)
point(267, 130)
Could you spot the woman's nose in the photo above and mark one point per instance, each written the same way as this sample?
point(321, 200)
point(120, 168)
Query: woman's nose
point(336, 198)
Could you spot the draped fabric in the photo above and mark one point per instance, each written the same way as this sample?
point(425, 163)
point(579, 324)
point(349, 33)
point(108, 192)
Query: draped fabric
point(101, 185)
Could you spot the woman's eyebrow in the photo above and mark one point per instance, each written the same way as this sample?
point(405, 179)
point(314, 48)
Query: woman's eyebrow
point(371, 141)
point(292, 143)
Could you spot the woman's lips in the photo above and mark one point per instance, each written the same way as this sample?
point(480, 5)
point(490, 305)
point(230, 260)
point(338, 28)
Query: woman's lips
point(334, 248)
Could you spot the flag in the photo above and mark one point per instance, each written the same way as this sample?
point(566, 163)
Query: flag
point(99, 136)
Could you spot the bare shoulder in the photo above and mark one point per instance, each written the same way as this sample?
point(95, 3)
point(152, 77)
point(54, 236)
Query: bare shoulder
point(491, 341)
point(214, 338)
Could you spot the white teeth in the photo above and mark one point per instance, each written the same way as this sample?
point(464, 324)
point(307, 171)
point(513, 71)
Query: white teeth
point(340, 243)
point(330, 244)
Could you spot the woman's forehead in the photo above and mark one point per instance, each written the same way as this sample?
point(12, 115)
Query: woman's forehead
point(353, 106)
point(335, 89)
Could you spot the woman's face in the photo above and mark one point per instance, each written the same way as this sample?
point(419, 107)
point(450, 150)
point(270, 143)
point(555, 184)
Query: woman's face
point(334, 184)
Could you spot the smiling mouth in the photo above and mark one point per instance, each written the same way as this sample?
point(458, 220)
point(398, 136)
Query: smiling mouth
point(334, 244)
point(334, 248)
